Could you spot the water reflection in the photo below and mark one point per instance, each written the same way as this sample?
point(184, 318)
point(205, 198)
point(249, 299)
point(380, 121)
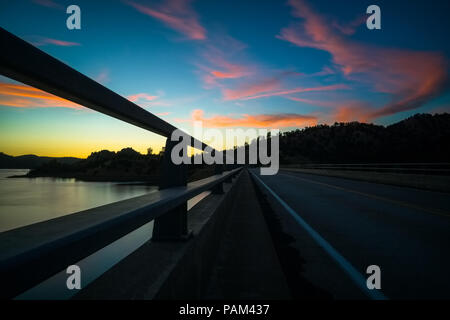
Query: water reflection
point(25, 201)
point(99, 262)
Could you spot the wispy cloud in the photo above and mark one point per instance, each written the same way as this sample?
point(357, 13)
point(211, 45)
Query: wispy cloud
point(141, 97)
point(162, 114)
point(22, 96)
point(280, 120)
point(297, 90)
point(177, 15)
point(103, 77)
point(226, 67)
point(252, 89)
point(411, 77)
point(349, 28)
point(223, 69)
point(220, 61)
point(352, 111)
point(147, 100)
point(55, 42)
point(49, 4)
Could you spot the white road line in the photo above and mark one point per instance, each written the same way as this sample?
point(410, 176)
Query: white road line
point(351, 271)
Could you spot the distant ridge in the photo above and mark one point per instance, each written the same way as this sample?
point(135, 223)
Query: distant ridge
point(30, 161)
point(420, 138)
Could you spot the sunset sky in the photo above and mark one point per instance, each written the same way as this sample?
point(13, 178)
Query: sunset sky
point(248, 64)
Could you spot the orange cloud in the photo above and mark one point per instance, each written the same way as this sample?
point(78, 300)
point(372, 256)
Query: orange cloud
point(413, 78)
point(227, 71)
point(352, 111)
point(176, 14)
point(46, 41)
point(272, 87)
point(281, 120)
point(144, 96)
point(216, 64)
point(22, 96)
point(298, 90)
point(249, 90)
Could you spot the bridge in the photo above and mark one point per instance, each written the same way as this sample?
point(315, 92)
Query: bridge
point(236, 234)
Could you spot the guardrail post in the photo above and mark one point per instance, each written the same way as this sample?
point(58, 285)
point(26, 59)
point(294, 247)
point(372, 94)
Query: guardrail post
point(173, 224)
point(230, 177)
point(218, 169)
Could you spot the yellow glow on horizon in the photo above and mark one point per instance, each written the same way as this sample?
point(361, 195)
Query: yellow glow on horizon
point(80, 151)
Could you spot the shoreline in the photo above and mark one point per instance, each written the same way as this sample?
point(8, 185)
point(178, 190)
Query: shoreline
point(151, 181)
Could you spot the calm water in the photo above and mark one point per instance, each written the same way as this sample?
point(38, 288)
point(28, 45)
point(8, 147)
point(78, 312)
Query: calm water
point(25, 201)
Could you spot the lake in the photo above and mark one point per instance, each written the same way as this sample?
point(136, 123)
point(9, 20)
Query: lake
point(24, 201)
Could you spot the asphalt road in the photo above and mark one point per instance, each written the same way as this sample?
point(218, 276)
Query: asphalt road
point(405, 231)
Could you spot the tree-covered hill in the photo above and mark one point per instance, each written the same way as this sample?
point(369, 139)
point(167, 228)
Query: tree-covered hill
point(421, 138)
point(29, 161)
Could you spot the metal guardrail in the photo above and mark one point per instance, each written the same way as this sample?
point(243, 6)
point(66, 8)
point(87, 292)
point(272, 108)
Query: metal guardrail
point(31, 254)
point(23, 62)
point(50, 247)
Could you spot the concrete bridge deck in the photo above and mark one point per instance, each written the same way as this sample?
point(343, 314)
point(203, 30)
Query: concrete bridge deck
point(230, 256)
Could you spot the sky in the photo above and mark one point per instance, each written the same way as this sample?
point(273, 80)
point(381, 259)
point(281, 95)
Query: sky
point(230, 64)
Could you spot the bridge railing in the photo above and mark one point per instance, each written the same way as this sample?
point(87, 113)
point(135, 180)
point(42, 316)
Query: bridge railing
point(33, 253)
point(50, 246)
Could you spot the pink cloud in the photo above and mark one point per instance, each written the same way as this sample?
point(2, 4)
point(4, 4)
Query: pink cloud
point(298, 90)
point(46, 41)
point(326, 71)
point(250, 81)
point(176, 14)
point(352, 111)
point(349, 28)
point(411, 77)
point(103, 77)
point(223, 69)
point(219, 64)
point(49, 4)
point(252, 89)
point(141, 96)
point(162, 114)
point(281, 120)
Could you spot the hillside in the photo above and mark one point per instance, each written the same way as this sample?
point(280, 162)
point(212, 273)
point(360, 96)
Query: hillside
point(420, 138)
point(126, 165)
point(30, 161)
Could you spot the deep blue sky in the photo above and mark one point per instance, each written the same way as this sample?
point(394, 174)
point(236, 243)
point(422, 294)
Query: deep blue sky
point(274, 64)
